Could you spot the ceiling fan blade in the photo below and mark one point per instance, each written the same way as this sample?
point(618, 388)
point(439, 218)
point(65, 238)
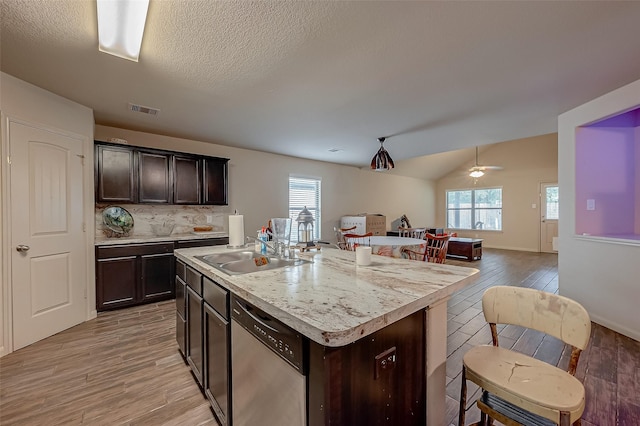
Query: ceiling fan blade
point(483, 168)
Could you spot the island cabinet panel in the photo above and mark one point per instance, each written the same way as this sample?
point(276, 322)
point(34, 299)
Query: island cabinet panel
point(378, 380)
point(154, 178)
point(195, 345)
point(215, 181)
point(115, 175)
point(133, 274)
point(187, 179)
point(181, 315)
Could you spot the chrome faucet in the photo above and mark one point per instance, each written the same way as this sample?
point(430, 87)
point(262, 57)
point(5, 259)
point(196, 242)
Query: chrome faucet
point(273, 248)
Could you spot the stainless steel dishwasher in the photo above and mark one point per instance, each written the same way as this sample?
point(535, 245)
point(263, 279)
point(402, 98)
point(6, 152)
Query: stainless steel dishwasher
point(268, 384)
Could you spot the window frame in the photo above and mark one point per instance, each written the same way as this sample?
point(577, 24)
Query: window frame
point(473, 208)
point(316, 211)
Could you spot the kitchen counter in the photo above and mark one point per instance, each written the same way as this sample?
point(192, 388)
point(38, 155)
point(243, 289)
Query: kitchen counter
point(399, 304)
point(334, 302)
point(104, 241)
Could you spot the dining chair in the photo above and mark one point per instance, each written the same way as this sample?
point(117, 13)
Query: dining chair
point(354, 240)
point(435, 250)
point(412, 232)
point(518, 389)
point(341, 243)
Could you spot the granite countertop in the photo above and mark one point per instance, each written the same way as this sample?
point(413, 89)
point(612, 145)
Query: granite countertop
point(334, 302)
point(104, 241)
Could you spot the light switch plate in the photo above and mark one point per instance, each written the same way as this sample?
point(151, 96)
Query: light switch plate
point(591, 204)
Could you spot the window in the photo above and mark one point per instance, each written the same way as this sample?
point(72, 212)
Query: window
point(475, 209)
point(304, 192)
point(552, 203)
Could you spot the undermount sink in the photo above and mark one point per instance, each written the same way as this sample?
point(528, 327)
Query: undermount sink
point(246, 261)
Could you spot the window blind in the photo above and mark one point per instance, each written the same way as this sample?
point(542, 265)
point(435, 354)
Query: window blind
point(304, 192)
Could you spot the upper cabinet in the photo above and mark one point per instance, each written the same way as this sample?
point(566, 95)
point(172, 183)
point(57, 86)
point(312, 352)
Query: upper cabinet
point(215, 181)
point(187, 185)
point(154, 171)
point(127, 174)
point(115, 174)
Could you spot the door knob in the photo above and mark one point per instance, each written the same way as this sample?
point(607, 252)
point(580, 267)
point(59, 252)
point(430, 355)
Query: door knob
point(22, 248)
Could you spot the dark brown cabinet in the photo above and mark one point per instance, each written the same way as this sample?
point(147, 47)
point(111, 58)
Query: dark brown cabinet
point(195, 348)
point(187, 180)
point(129, 275)
point(154, 178)
point(115, 282)
point(181, 307)
point(217, 346)
point(128, 174)
point(215, 181)
point(115, 174)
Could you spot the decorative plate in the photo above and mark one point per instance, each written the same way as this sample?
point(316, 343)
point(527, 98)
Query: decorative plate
point(117, 219)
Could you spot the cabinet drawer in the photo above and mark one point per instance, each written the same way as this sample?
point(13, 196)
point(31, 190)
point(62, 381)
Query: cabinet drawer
point(181, 270)
point(194, 280)
point(202, 243)
point(216, 296)
point(105, 252)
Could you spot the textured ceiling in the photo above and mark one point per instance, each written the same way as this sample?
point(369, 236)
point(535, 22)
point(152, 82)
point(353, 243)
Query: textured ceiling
point(304, 77)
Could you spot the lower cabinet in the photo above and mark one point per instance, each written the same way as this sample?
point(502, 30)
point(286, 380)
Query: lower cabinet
point(217, 348)
point(132, 274)
point(206, 337)
point(181, 308)
point(195, 349)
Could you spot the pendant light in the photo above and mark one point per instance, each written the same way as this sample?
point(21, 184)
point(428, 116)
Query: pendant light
point(382, 160)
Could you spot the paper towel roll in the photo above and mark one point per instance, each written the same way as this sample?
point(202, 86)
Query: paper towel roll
point(236, 230)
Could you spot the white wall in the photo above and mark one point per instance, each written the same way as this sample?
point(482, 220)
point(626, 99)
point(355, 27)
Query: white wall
point(24, 101)
point(527, 163)
point(258, 184)
point(602, 275)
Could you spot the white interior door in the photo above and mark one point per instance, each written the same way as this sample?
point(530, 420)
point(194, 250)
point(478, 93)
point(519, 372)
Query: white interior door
point(549, 205)
point(47, 254)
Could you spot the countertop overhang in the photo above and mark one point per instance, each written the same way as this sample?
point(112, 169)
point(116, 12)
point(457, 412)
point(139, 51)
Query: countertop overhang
point(334, 302)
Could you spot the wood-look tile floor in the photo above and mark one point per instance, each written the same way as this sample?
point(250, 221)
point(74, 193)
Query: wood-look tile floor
point(124, 366)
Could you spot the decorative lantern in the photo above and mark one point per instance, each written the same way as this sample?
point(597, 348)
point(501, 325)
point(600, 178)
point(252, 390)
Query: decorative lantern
point(305, 227)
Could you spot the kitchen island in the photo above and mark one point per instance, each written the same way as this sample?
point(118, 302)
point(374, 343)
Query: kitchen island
point(375, 336)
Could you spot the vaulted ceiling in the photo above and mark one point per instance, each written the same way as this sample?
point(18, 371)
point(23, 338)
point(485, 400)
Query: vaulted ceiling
point(324, 79)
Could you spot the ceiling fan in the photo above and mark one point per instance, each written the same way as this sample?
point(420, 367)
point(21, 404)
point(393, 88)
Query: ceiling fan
point(478, 171)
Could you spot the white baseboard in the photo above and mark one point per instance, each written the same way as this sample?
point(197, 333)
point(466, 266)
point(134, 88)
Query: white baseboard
point(633, 334)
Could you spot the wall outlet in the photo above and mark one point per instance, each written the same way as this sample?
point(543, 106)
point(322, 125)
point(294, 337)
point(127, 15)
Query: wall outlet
point(209, 218)
point(384, 361)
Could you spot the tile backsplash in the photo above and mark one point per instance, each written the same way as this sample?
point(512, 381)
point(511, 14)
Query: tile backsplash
point(184, 218)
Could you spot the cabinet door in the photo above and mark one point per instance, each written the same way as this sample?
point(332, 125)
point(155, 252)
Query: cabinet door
point(216, 367)
point(115, 174)
point(116, 282)
point(186, 180)
point(181, 313)
point(157, 276)
point(195, 352)
point(215, 181)
point(154, 177)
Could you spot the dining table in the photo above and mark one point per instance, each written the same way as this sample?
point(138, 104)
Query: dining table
point(393, 246)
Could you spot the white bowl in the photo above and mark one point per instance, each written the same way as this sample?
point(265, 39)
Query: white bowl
point(162, 229)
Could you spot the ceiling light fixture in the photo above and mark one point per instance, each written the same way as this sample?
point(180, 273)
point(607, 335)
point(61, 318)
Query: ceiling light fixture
point(382, 160)
point(476, 173)
point(120, 27)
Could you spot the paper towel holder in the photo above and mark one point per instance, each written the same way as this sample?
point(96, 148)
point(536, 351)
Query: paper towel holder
point(236, 231)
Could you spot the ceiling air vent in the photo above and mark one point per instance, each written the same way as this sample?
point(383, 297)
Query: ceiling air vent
point(144, 109)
